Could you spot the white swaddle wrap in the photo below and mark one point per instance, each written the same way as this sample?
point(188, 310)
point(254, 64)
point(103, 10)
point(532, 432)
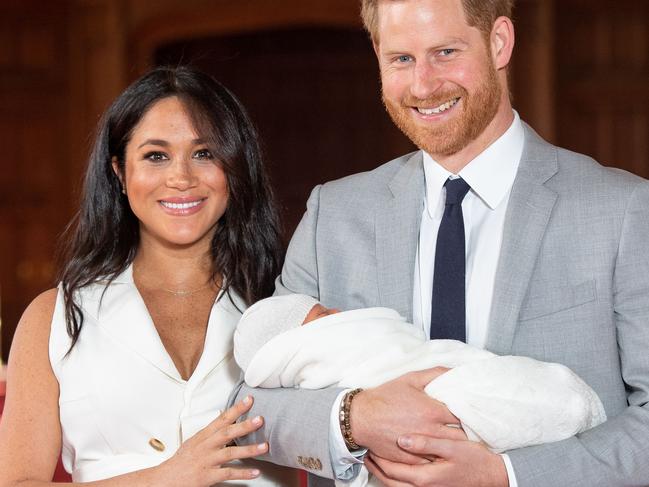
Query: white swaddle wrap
point(505, 402)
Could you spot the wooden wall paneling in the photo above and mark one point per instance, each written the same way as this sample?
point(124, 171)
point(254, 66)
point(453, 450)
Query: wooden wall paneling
point(7, 47)
point(33, 131)
point(8, 292)
point(532, 73)
point(167, 21)
point(603, 81)
point(97, 72)
point(10, 167)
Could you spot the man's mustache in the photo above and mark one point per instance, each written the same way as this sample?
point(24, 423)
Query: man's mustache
point(431, 101)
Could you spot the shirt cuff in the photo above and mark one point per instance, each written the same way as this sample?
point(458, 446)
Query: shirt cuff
point(345, 464)
point(510, 470)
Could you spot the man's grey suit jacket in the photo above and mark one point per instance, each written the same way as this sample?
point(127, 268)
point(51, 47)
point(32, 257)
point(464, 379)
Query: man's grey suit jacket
point(572, 286)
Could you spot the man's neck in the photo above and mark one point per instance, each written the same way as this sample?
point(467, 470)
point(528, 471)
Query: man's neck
point(496, 128)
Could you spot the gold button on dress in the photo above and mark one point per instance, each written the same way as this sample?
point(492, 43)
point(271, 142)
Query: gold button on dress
point(157, 444)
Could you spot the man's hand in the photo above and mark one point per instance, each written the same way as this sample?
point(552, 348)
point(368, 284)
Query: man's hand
point(449, 463)
point(380, 415)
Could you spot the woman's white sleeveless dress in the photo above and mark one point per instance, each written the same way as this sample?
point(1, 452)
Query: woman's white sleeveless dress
point(123, 405)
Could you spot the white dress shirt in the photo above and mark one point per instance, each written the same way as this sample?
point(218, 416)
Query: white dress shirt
point(491, 176)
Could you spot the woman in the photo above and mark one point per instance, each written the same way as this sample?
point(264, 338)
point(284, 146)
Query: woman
point(128, 364)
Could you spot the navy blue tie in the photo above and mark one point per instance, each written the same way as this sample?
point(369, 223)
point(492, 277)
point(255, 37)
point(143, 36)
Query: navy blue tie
point(448, 311)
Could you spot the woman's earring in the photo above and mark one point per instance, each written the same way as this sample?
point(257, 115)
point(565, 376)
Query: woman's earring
point(123, 190)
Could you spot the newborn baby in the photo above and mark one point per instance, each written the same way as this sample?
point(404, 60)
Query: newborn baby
point(506, 402)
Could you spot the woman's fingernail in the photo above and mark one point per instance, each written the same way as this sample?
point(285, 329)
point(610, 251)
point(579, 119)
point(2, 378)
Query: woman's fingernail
point(256, 420)
point(247, 400)
point(254, 473)
point(262, 446)
point(405, 441)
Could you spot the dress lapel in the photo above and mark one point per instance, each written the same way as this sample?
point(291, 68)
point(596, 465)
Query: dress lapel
point(528, 212)
point(224, 317)
point(122, 314)
point(397, 223)
point(120, 311)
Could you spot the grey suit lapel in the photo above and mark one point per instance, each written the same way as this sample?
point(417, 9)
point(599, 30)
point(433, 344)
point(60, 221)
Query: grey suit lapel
point(528, 213)
point(397, 223)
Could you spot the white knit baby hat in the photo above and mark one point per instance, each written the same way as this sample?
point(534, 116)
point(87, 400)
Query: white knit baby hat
point(266, 319)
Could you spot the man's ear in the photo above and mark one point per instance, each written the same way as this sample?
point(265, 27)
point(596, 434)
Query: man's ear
point(502, 42)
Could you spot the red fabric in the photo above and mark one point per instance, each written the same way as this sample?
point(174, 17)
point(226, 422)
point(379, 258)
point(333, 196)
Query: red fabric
point(61, 475)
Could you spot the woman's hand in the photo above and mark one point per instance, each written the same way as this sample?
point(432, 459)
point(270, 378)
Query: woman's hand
point(202, 460)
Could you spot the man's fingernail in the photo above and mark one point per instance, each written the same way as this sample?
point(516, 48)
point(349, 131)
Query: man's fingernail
point(247, 400)
point(405, 441)
point(256, 420)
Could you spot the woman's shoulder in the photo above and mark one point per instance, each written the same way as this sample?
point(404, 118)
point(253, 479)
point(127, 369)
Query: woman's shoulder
point(40, 310)
point(33, 330)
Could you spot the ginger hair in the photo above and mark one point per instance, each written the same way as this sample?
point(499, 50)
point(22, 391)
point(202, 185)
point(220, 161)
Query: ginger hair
point(479, 13)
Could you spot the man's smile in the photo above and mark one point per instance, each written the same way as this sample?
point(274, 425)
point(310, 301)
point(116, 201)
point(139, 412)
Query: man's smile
point(439, 109)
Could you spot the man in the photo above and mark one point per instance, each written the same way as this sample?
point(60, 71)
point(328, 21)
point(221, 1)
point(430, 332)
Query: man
point(554, 257)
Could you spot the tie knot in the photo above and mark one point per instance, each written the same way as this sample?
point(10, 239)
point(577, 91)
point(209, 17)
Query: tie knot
point(456, 190)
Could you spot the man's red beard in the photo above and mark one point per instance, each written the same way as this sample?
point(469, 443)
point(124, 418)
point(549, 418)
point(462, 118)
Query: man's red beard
point(448, 138)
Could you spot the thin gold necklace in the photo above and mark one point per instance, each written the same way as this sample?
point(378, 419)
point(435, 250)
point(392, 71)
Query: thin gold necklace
point(181, 293)
point(184, 293)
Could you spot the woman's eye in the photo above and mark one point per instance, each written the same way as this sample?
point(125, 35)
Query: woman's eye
point(155, 156)
point(203, 154)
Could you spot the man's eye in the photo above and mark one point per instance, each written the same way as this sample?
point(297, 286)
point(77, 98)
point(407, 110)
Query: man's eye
point(404, 59)
point(155, 156)
point(447, 52)
point(203, 154)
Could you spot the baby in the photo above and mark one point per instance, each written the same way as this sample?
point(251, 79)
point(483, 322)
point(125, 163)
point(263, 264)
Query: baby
point(506, 402)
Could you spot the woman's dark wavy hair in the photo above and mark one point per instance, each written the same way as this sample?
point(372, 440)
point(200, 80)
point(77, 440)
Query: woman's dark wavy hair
point(102, 239)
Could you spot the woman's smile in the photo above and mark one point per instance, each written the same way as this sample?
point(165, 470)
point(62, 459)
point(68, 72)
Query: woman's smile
point(182, 206)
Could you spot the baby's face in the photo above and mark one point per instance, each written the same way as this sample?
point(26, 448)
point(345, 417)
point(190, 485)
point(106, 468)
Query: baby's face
point(319, 311)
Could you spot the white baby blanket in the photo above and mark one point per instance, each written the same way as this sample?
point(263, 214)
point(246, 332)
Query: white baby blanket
point(506, 402)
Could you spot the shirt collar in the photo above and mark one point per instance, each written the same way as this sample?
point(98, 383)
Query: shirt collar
point(491, 174)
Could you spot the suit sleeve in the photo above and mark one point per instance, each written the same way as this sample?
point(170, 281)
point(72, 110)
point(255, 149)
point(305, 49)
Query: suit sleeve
point(300, 271)
point(296, 420)
point(615, 453)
